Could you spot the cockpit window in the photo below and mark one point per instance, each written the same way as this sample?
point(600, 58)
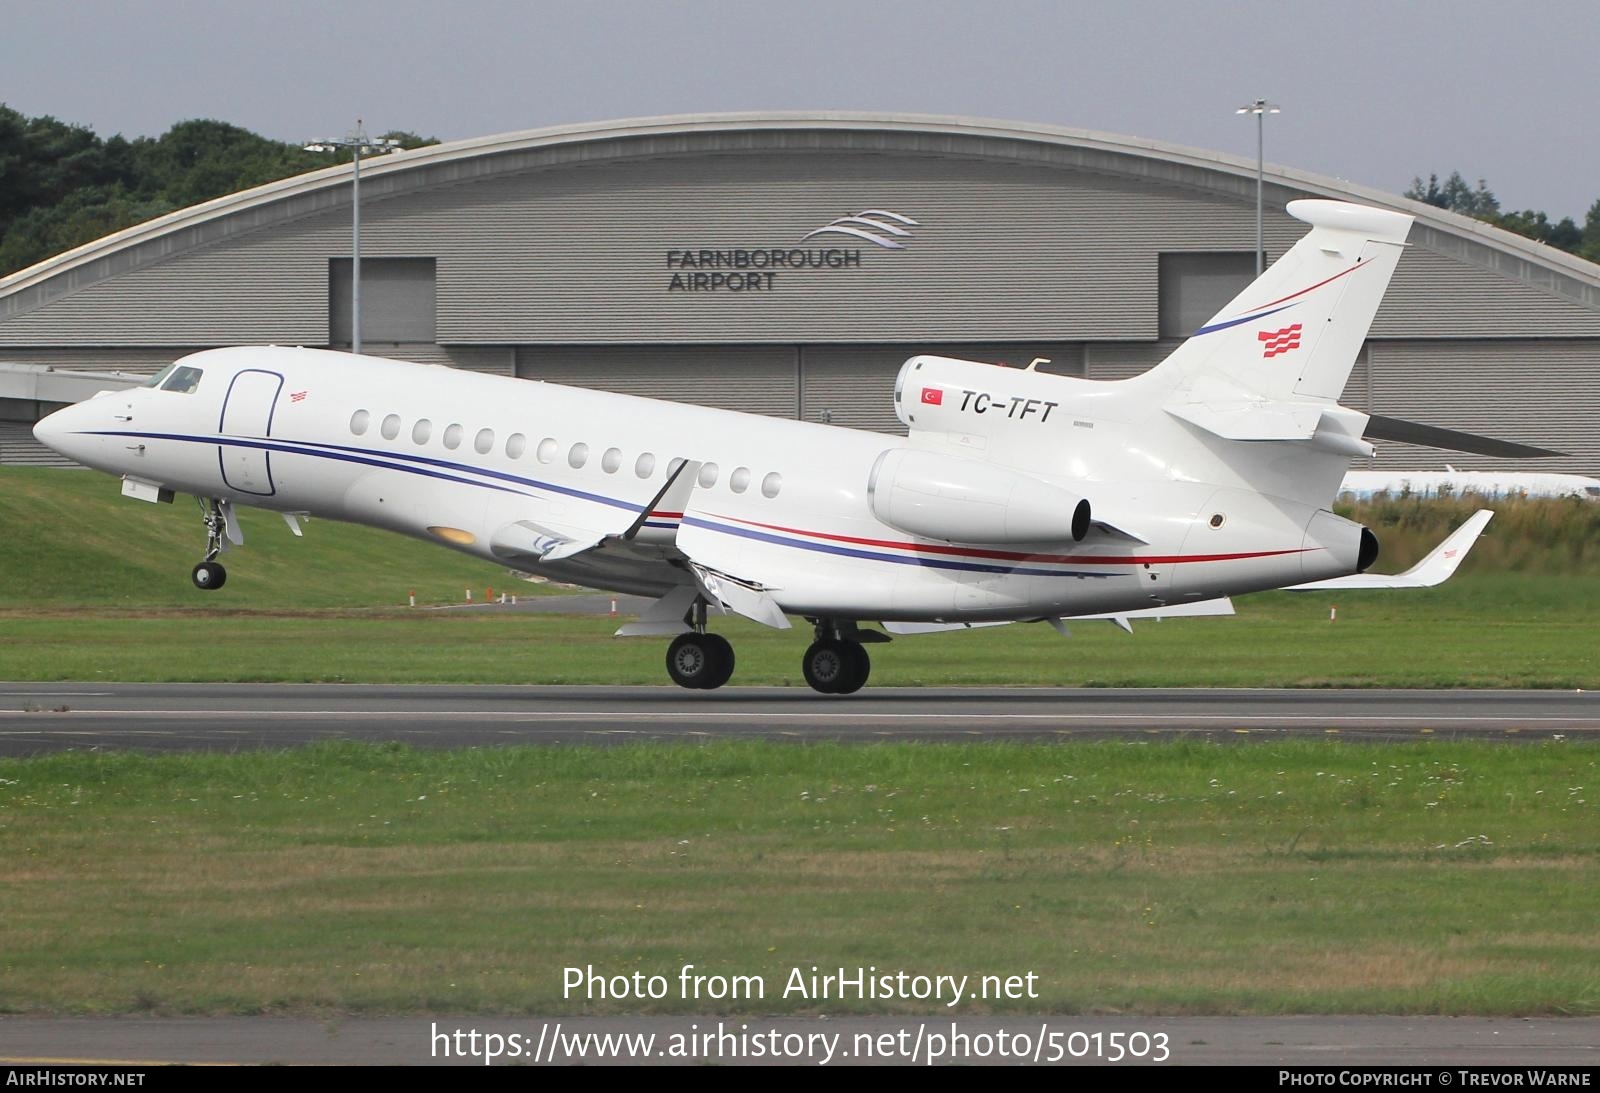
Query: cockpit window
point(159, 378)
point(183, 379)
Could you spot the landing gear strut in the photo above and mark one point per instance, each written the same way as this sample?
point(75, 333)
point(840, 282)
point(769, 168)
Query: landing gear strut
point(699, 660)
point(209, 575)
point(835, 665)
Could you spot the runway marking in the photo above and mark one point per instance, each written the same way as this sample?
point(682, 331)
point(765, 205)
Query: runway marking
point(56, 694)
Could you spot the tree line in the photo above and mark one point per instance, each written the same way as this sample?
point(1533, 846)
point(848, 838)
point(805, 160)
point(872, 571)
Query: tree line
point(1479, 202)
point(61, 185)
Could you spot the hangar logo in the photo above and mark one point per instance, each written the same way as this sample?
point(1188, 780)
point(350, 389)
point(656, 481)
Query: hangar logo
point(756, 269)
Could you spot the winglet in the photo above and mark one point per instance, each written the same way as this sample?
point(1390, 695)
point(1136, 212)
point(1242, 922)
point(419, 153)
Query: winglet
point(1436, 568)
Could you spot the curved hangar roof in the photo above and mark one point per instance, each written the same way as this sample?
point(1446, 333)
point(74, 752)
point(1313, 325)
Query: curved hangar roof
point(1509, 256)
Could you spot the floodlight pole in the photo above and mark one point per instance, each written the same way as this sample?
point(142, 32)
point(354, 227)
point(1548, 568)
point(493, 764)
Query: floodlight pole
point(358, 142)
point(1260, 108)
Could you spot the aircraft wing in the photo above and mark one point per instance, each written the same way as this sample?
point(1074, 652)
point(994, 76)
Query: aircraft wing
point(1220, 606)
point(551, 540)
point(1436, 568)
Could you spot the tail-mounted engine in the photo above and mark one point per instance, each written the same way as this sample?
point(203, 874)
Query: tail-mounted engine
point(941, 496)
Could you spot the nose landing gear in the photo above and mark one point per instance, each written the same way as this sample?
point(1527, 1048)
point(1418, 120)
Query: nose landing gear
point(222, 531)
point(209, 576)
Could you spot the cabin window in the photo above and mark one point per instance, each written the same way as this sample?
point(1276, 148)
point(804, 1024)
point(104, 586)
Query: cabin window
point(672, 467)
point(611, 460)
point(547, 450)
point(484, 441)
point(359, 421)
point(390, 427)
point(516, 444)
point(739, 480)
point(452, 437)
point(771, 484)
point(708, 475)
point(645, 466)
point(421, 431)
point(578, 455)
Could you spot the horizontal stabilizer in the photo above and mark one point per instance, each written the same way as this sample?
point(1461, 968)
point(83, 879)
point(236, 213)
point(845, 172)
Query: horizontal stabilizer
point(1431, 436)
point(1334, 428)
point(1252, 419)
point(1435, 569)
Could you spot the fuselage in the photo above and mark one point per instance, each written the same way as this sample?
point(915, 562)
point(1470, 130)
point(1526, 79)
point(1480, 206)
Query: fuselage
point(465, 460)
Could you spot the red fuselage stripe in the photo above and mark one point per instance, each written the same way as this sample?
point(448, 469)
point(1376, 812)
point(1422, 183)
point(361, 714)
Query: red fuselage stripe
point(1020, 556)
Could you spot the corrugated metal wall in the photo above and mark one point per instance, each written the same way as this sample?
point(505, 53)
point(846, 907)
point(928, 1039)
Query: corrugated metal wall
point(579, 255)
point(268, 287)
point(761, 379)
point(1545, 393)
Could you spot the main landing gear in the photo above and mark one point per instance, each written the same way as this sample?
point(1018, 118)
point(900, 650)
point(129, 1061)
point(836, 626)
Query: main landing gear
point(699, 660)
point(834, 664)
point(209, 575)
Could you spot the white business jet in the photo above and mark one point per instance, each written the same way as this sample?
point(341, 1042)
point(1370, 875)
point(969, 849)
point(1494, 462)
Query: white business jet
point(1017, 496)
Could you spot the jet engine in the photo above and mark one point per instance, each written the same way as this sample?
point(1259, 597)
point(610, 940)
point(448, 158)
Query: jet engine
point(940, 496)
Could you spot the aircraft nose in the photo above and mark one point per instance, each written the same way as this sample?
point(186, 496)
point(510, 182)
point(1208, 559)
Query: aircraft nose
point(59, 432)
point(47, 430)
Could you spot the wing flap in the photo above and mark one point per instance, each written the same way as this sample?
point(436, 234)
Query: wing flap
point(666, 616)
point(742, 597)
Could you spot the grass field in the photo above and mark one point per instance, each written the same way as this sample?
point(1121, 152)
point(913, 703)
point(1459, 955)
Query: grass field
point(1509, 630)
point(96, 587)
point(1182, 878)
point(1306, 877)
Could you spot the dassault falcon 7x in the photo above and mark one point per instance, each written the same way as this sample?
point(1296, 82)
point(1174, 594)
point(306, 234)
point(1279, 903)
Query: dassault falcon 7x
point(1017, 496)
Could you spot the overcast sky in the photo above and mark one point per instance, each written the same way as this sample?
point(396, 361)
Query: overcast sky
point(1372, 92)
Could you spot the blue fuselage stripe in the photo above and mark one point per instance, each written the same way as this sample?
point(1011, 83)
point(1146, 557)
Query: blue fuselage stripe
point(385, 460)
point(1225, 324)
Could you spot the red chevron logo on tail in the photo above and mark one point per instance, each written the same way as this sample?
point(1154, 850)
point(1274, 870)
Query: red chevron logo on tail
point(1279, 341)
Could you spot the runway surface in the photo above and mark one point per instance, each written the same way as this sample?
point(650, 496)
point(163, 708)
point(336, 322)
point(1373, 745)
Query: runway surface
point(43, 717)
point(1457, 1042)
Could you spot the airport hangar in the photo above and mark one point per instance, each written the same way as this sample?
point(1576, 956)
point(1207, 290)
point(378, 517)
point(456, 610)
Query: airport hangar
point(682, 258)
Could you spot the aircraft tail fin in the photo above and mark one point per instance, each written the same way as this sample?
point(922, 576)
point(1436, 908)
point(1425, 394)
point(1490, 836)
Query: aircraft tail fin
point(1294, 333)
